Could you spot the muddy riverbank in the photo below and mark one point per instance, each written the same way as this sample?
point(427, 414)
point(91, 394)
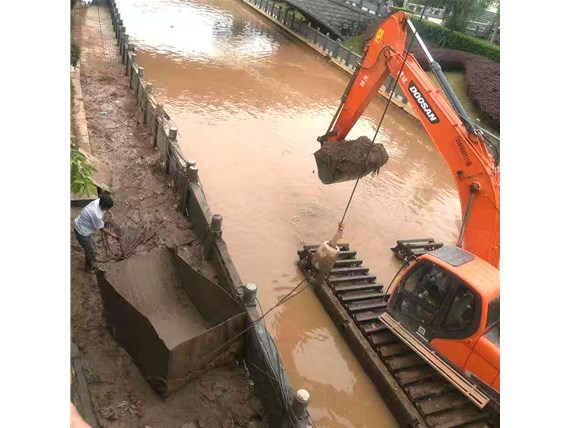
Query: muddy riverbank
point(249, 101)
point(120, 395)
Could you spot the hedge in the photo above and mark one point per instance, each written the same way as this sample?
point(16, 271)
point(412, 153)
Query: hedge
point(482, 77)
point(445, 38)
point(395, 9)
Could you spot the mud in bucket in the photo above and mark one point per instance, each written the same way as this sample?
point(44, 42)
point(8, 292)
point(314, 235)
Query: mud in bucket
point(345, 160)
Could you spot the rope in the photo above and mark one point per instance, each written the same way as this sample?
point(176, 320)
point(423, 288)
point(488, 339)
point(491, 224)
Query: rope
point(381, 119)
point(280, 381)
point(387, 292)
point(253, 324)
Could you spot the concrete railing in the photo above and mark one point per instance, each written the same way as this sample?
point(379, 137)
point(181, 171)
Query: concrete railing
point(431, 12)
point(341, 56)
point(261, 356)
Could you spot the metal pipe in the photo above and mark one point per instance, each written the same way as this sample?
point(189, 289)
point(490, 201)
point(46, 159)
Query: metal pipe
point(474, 188)
point(436, 68)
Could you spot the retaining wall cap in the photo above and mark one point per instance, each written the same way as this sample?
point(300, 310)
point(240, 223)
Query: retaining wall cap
point(303, 395)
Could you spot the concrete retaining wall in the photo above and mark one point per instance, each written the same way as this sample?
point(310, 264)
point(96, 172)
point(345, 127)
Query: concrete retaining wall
point(262, 358)
point(340, 56)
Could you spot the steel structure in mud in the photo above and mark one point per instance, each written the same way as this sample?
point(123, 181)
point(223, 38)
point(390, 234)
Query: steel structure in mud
point(265, 368)
point(418, 395)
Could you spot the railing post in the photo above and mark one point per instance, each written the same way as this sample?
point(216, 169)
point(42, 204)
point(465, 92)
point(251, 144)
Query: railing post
point(300, 402)
point(191, 176)
point(215, 231)
point(158, 121)
point(139, 82)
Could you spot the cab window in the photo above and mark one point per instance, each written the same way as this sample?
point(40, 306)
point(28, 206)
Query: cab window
point(494, 335)
point(493, 312)
point(424, 292)
point(462, 310)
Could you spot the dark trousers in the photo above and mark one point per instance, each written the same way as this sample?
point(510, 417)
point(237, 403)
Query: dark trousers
point(86, 243)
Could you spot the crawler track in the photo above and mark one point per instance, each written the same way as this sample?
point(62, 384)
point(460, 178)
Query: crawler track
point(360, 299)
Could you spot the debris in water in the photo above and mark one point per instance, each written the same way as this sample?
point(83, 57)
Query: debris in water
point(345, 160)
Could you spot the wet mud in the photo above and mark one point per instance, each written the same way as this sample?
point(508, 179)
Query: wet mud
point(150, 283)
point(249, 102)
point(120, 395)
point(346, 160)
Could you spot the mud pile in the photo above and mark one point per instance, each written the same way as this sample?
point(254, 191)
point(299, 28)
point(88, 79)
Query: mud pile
point(173, 321)
point(346, 160)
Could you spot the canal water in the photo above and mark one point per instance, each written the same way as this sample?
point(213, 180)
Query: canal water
point(249, 102)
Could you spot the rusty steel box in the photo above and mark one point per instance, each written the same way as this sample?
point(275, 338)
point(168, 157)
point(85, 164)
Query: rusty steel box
point(173, 321)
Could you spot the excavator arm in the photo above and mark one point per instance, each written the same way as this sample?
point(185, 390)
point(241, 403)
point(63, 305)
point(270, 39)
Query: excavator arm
point(458, 141)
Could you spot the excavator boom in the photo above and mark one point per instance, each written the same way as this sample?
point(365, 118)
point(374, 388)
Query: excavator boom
point(460, 144)
point(445, 306)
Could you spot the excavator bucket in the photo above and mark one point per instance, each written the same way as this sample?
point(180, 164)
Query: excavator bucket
point(347, 160)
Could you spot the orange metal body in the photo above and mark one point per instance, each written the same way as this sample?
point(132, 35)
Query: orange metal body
point(472, 167)
point(475, 354)
point(465, 153)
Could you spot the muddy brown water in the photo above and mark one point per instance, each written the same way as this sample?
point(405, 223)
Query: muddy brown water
point(249, 102)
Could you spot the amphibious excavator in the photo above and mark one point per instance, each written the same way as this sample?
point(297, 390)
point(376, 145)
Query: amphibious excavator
point(445, 304)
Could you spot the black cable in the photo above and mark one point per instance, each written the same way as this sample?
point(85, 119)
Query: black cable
point(280, 380)
point(383, 115)
point(405, 264)
point(253, 324)
point(377, 59)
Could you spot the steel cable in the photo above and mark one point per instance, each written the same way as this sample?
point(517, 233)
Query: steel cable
point(382, 118)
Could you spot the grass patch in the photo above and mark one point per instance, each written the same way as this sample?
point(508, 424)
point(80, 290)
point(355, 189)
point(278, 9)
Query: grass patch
point(355, 44)
point(288, 8)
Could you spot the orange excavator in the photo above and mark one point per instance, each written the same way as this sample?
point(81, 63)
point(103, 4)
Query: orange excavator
point(445, 305)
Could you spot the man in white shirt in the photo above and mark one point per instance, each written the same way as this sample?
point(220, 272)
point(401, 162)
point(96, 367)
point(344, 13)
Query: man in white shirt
point(87, 223)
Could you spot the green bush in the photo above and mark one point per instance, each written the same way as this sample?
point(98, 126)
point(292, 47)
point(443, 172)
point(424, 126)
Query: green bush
point(355, 44)
point(288, 8)
point(81, 173)
point(394, 9)
point(446, 38)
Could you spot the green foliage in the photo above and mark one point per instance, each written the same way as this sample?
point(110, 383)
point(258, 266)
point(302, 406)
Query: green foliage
point(355, 44)
point(459, 12)
point(394, 9)
point(81, 173)
point(288, 8)
point(446, 38)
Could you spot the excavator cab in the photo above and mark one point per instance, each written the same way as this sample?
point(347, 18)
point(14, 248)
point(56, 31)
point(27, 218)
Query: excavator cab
point(447, 304)
point(424, 300)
